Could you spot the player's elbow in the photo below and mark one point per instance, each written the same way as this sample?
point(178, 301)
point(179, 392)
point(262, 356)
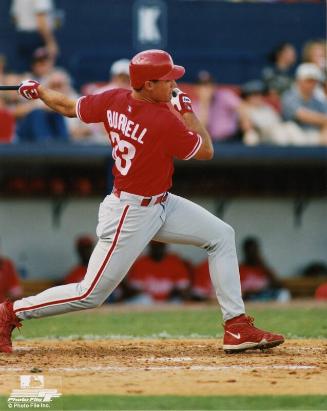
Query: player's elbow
point(210, 154)
point(70, 114)
point(205, 153)
point(69, 110)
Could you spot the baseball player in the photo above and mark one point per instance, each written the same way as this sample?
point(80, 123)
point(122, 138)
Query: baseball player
point(145, 136)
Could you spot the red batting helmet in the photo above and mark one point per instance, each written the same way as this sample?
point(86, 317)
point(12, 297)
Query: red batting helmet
point(153, 65)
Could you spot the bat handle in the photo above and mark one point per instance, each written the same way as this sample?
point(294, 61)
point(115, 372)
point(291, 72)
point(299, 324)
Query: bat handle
point(5, 88)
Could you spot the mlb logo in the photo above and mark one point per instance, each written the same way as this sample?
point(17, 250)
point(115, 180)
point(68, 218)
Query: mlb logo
point(186, 99)
point(31, 381)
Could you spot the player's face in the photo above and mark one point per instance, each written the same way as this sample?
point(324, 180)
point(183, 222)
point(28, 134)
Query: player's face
point(307, 86)
point(160, 91)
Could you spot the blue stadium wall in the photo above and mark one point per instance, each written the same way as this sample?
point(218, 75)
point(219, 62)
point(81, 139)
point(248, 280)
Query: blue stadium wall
point(230, 39)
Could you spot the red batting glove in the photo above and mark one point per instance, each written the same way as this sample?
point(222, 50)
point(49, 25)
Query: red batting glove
point(29, 89)
point(181, 102)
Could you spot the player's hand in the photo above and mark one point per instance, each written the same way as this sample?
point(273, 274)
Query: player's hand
point(181, 102)
point(29, 89)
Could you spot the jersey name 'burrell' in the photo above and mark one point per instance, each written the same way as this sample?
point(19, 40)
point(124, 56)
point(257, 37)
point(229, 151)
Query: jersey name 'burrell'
point(129, 129)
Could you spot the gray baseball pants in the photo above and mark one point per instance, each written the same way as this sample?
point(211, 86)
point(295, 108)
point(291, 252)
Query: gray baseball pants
point(124, 230)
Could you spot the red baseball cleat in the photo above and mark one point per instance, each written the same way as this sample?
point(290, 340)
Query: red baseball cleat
point(8, 322)
point(241, 335)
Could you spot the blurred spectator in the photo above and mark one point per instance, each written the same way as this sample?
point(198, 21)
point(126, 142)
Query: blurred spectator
point(202, 289)
point(119, 76)
point(324, 88)
point(315, 269)
point(7, 124)
point(301, 105)
point(160, 275)
point(315, 52)
point(216, 108)
point(260, 123)
point(35, 122)
point(39, 124)
point(60, 81)
point(8, 101)
point(279, 76)
point(321, 292)
point(84, 246)
point(258, 280)
point(41, 66)
point(13, 103)
point(11, 78)
point(42, 126)
point(34, 25)
point(3, 62)
point(9, 280)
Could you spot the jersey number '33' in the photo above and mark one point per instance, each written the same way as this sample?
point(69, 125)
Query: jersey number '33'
point(122, 152)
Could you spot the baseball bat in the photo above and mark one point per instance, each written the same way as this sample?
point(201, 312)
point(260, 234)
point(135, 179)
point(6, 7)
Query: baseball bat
point(3, 88)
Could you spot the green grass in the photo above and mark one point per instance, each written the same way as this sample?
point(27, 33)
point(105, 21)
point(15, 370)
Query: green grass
point(117, 402)
point(206, 322)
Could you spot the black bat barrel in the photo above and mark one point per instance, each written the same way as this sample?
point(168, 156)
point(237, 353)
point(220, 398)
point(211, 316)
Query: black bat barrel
point(5, 88)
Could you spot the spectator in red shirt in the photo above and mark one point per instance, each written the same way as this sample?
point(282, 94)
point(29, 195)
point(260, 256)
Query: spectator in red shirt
point(84, 248)
point(258, 280)
point(321, 292)
point(202, 289)
point(7, 122)
point(9, 281)
point(160, 275)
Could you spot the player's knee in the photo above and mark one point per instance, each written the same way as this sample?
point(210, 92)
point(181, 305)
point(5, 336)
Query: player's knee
point(91, 302)
point(228, 232)
point(224, 232)
point(224, 235)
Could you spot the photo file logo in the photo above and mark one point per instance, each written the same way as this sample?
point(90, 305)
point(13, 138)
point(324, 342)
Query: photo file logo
point(32, 393)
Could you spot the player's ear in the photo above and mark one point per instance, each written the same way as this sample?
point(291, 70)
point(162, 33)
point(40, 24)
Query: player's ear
point(148, 85)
